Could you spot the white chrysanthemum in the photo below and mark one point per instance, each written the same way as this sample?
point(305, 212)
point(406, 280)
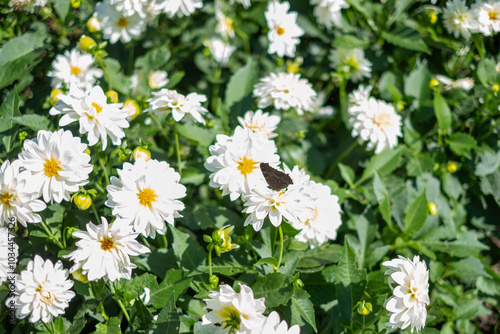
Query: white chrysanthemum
point(360, 95)
point(158, 79)
point(58, 164)
point(74, 68)
point(130, 7)
point(43, 290)
point(410, 296)
point(319, 107)
point(178, 104)
point(97, 118)
point(27, 5)
point(488, 17)
point(179, 7)
point(146, 195)
point(237, 313)
point(327, 12)
point(224, 25)
point(351, 62)
point(464, 83)
point(220, 50)
point(8, 252)
point(325, 218)
point(283, 32)
point(285, 91)
point(272, 325)
point(17, 199)
point(235, 161)
point(458, 19)
point(377, 123)
point(118, 26)
point(105, 250)
point(259, 121)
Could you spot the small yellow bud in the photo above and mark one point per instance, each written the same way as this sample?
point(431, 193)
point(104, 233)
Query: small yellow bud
point(224, 239)
point(495, 88)
point(82, 201)
point(86, 43)
point(433, 17)
point(365, 308)
point(432, 208)
point(112, 96)
point(452, 167)
point(54, 96)
point(400, 105)
point(292, 68)
point(79, 276)
point(131, 108)
point(93, 24)
point(75, 3)
point(87, 151)
point(141, 152)
point(433, 83)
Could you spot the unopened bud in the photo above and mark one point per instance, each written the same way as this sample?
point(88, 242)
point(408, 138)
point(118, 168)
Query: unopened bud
point(54, 96)
point(112, 96)
point(432, 208)
point(452, 167)
point(141, 153)
point(365, 308)
point(86, 43)
point(82, 201)
point(75, 3)
point(495, 88)
point(433, 83)
point(93, 24)
point(131, 108)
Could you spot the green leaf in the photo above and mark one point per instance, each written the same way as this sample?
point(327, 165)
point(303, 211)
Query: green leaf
point(347, 174)
point(407, 38)
point(112, 326)
point(488, 286)
point(62, 8)
point(268, 260)
point(469, 309)
point(32, 121)
point(175, 282)
point(275, 287)
point(383, 163)
point(349, 42)
point(487, 73)
point(154, 59)
point(383, 199)
point(188, 251)
point(168, 319)
point(465, 244)
point(118, 81)
point(416, 214)
point(240, 84)
point(21, 46)
point(19, 68)
point(416, 84)
point(443, 113)
point(461, 144)
point(489, 160)
point(469, 269)
point(196, 134)
point(490, 185)
point(301, 304)
point(175, 79)
point(316, 257)
point(419, 164)
point(9, 109)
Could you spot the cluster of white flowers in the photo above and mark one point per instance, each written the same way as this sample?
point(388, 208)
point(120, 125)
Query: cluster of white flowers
point(241, 313)
point(179, 105)
point(351, 62)
point(482, 17)
point(259, 121)
point(27, 5)
point(374, 121)
point(220, 46)
point(328, 13)
point(410, 295)
point(74, 68)
point(283, 32)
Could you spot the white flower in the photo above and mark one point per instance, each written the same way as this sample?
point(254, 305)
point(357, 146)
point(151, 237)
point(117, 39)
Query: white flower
point(352, 62)
point(272, 325)
point(464, 83)
point(488, 17)
point(238, 313)
point(8, 252)
point(235, 160)
point(58, 163)
point(325, 218)
point(130, 7)
point(360, 95)
point(158, 79)
point(458, 19)
point(146, 195)
point(327, 12)
point(179, 7)
point(43, 290)
point(74, 68)
point(224, 24)
point(410, 296)
point(17, 199)
point(118, 26)
point(283, 32)
point(285, 91)
point(27, 5)
point(245, 3)
point(96, 117)
point(318, 105)
point(292, 204)
point(105, 250)
point(178, 104)
point(260, 122)
point(220, 50)
point(376, 122)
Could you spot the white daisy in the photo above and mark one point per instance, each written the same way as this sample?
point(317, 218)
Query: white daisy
point(104, 251)
point(43, 290)
point(179, 7)
point(259, 121)
point(96, 117)
point(360, 95)
point(283, 32)
point(237, 313)
point(118, 26)
point(488, 17)
point(27, 5)
point(319, 107)
point(272, 325)
point(178, 104)
point(410, 296)
point(220, 50)
point(285, 91)
point(224, 25)
point(146, 195)
point(8, 252)
point(58, 163)
point(235, 160)
point(327, 12)
point(351, 62)
point(158, 79)
point(464, 83)
point(130, 7)
point(74, 68)
point(458, 19)
point(377, 123)
point(17, 199)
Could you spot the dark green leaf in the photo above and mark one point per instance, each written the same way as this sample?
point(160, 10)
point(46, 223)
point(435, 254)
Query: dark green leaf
point(301, 303)
point(9, 109)
point(407, 38)
point(112, 326)
point(187, 250)
point(383, 163)
point(62, 8)
point(347, 174)
point(486, 72)
point(168, 319)
point(240, 84)
point(21, 46)
point(462, 143)
point(443, 113)
point(416, 214)
point(275, 287)
point(32, 121)
point(383, 199)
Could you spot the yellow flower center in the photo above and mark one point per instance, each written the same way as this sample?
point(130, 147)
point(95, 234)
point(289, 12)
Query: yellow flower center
point(97, 107)
point(280, 31)
point(232, 317)
point(246, 166)
point(75, 70)
point(107, 244)
point(45, 296)
point(5, 198)
point(146, 197)
point(122, 22)
point(493, 15)
point(52, 167)
point(352, 62)
point(382, 119)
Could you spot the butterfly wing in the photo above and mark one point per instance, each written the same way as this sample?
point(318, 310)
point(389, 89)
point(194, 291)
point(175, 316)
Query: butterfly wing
point(275, 179)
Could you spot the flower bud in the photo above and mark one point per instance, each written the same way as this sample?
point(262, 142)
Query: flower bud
point(495, 88)
point(452, 167)
point(434, 83)
point(214, 281)
point(77, 274)
point(54, 96)
point(131, 108)
point(87, 151)
point(433, 17)
point(75, 3)
point(432, 208)
point(86, 43)
point(141, 152)
point(224, 239)
point(93, 24)
point(112, 96)
point(82, 201)
point(365, 308)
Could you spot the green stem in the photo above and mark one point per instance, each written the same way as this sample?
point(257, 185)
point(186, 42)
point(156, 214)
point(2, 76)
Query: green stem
point(122, 307)
point(177, 150)
point(52, 237)
point(101, 163)
point(130, 58)
point(106, 73)
point(339, 159)
point(342, 96)
point(158, 124)
point(210, 261)
point(98, 220)
point(49, 328)
point(280, 230)
point(165, 242)
point(215, 91)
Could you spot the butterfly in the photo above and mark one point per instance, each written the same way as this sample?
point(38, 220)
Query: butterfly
point(276, 179)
